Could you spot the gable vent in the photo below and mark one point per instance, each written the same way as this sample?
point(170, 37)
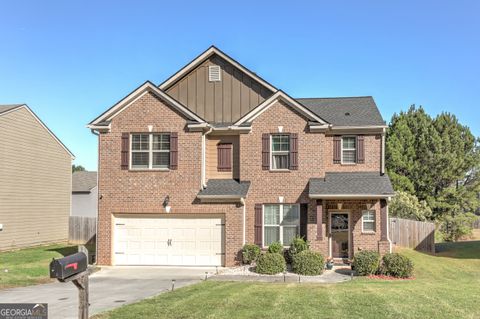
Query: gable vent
point(214, 73)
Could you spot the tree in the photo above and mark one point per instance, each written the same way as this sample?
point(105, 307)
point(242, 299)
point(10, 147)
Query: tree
point(77, 168)
point(405, 205)
point(436, 160)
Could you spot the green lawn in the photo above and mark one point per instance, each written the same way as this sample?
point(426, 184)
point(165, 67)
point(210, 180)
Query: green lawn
point(30, 266)
point(446, 286)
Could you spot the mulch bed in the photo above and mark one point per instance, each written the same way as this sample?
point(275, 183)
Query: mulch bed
point(385, 277)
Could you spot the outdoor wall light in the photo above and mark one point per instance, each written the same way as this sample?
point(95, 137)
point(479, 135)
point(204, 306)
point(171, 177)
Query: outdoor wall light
point(166, 204)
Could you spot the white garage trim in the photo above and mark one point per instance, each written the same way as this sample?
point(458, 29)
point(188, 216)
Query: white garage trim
point(169, 240)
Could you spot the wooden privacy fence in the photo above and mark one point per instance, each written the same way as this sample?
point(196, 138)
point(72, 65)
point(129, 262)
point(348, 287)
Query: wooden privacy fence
point(81, 229)
point(413, 234)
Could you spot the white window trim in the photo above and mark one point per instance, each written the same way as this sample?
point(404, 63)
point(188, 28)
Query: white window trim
point(348, 149)
point(279, 153)
point(150, 153)
point(280, 223)
point(374, 222)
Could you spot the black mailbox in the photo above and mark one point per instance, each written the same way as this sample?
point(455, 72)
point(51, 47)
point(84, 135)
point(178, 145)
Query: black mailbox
point(68, 266)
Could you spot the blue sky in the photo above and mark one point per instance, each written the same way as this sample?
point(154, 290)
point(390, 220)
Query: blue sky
point(69, 61)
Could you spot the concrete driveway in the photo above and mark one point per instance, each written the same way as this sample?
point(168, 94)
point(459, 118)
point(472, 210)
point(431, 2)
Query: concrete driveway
point(110, 287)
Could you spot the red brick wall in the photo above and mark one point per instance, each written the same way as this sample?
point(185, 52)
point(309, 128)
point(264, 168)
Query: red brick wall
point(125, 191)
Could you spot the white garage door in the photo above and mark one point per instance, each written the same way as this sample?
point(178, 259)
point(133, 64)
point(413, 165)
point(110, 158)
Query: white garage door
point(167, 240)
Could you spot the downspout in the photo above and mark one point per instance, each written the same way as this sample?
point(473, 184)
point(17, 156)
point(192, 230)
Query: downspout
point(382, 168)
point(388, 226)
point(98, 195)
point(203, 183)
point(242, 201)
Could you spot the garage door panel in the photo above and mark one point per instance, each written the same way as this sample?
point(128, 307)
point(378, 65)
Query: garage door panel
point(194, 241)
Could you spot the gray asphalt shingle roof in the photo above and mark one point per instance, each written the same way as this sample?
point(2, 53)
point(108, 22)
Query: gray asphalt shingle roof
point(345, 111)
point(8, 107)
point(83, 181)
point(352, 183)
point(225, 187)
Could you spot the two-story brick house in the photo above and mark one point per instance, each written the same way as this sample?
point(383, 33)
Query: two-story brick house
point(216, 157)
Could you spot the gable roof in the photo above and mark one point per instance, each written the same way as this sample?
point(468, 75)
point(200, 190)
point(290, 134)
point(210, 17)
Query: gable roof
point(362, 110)
point(204, 56)
point(7, 108)
point(351, 184)
point(280, 95)
point(83, 181)
point(105, 118)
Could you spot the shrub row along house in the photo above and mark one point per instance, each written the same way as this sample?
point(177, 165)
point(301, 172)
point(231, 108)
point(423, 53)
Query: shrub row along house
point(216, 157)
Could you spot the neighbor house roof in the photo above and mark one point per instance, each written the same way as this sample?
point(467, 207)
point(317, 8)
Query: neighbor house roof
point(224, 188)
point(7, 108)
point(345, 111)
point(351, 185)
point(83, 181)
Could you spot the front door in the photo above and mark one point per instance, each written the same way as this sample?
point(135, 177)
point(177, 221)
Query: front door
point(339, 230)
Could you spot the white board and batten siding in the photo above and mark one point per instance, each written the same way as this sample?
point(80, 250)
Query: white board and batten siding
point(191, 240)
point(35, 183)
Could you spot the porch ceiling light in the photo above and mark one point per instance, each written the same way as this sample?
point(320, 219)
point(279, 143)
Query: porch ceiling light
point(339, 206)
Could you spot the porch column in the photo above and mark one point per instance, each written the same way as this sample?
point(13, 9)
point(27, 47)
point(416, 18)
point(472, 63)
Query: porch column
point(320, 208)
point(383, 220)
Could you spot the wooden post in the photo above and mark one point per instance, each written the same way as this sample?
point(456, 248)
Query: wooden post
point(82, 285)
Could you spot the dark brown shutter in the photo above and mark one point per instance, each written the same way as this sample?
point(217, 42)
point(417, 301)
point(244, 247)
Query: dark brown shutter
point(319, 220)
point(303, 220)
point(224, 157)
point(258, 225)
point(383, 220)
point(173, 150)
point(360, 149)
point(125, 150)
point(337, 149)
point(293, 151)
point(265, 151)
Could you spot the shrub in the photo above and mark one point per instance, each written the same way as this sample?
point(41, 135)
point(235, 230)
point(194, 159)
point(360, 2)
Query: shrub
point(397, 265)
point(275, 248)
point(270, 264)
point(455, 227)
point(250, 253)
point(297, 245)
point(366, 262)
point(405, 205)
point(308, 263)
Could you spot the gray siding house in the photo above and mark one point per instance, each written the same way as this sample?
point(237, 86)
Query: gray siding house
point(35, 181)
point(84, 194)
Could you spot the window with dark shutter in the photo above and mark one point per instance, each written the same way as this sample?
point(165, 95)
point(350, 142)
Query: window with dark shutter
point(294, 151)
point(224, 157)
point(265, 151)
point(258, 225)
point(125, 149)
point(173, 150)
point(337, 149)
point(360, 149)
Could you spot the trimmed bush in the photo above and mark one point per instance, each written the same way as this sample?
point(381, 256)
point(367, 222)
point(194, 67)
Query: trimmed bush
point(297, 245)
point(366, 262)
point(250, 253)
point(270, 264)
point(397, 265)
point(309, 263)
point(275, 248)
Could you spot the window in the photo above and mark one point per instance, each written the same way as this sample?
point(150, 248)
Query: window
point(150, 151)
point(280, 151)
point(368, 221)
point(280, 223)
point(349, 152)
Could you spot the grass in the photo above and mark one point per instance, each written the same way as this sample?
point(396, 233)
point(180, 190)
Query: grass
point(446, 286)
point(30, 266)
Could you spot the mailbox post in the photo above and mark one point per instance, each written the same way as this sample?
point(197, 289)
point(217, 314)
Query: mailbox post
point(74, 268)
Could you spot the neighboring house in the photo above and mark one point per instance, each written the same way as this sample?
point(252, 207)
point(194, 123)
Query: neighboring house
point(35, 180)
point(216, 157)
point(84, 194)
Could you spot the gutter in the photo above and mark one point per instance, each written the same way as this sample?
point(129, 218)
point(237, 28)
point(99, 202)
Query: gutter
point(350, 196)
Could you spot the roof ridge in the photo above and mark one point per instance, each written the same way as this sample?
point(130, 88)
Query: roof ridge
point(337, 97)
